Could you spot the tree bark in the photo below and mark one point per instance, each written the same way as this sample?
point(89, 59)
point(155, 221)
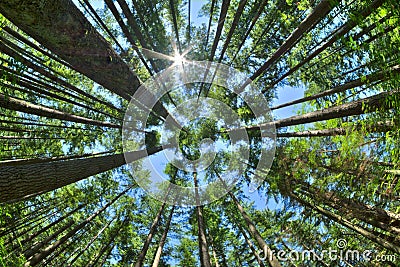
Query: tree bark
point(153, 228)
point(339, 33)
point(320, 11)
point(357, 107)
point(23, 106)
point(161, 244)
point(22, 181)
point(379, 76)
point(205, 260)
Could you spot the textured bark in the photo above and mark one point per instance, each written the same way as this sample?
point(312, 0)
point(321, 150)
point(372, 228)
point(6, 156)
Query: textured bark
point(221, 21)
point(339, 33)
point(63, 29)
point(161, 244)
point(22, 181)
point(205, 260)
point(379, 76)
point(379, 127)
point(357, 107)
point(319, 12)
point(23, 106)
point(18, 162)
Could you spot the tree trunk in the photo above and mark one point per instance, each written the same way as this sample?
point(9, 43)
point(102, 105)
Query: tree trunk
point(343, 221)
point(205, 260)
point(319, 12)
point(18, 182)
point(257, 236)
point(379, 127)
point(153, 228)
point(379, 76)
point(339, 33)
point(37, 258)
point(63, 29)
point(357, 107)
point(23, 106)
point(161, 244)
point(251, 246)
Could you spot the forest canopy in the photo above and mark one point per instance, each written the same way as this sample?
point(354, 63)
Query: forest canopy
point(146, 133)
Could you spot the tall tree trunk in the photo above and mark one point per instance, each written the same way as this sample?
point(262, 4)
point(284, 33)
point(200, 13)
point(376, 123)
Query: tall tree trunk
point(337, 34)
point(357, 107)
point(257, 236)
point(205, 260)
point(37, 258)
point(383, 219)
point(343, 221)
point(379, 127)
point(63, 29)
point(18, 182)
point(319, 12)
point(153, 228)
point(378, 76)
point(251, 246)
point(161, 244)
point(23, 106)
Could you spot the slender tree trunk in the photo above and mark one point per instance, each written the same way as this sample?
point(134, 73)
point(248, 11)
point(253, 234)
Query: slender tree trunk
point(251, 246)
point(161, 244)
point(379, 76)
point(205, 260)
point(232, 28)
point(23, 106)
point(153, 228)
point(18, 182)
point(343, 221)
point(37, 258)
point(383, 219)
point(319, 12)
point(339, 33)
point(257, 236)
point(357, 107)
point(379, 127)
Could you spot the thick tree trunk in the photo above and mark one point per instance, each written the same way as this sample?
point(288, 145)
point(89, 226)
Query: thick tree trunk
point(63, 29)
point(23, 106)
point(22, 181)
point(161, 244)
